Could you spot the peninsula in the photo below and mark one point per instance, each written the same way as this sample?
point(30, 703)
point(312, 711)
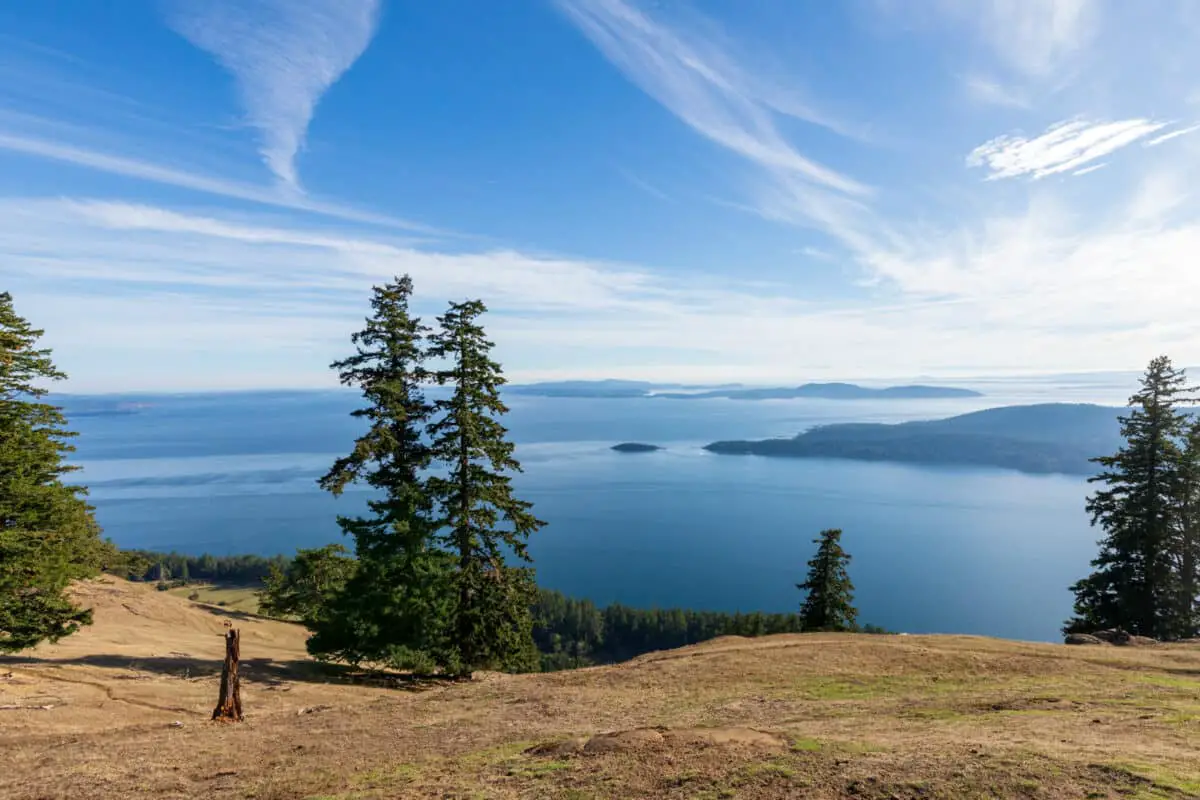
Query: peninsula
point(1045, 438)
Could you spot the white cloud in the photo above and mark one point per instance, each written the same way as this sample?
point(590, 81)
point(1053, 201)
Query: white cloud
point(1092, 168)
point(704, 88)
point(284, 55)
point(50, 149)
point(1166, 137)
point(1025, 291)
point(1064, 147)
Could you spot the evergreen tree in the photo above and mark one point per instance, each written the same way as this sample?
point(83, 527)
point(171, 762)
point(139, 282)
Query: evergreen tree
point(307, 587)
point(827, 605)
point(48, 536)
point(1136, 582)
point(185, 573)
point(1185, 544)
point(393, 608)
point(481, 521)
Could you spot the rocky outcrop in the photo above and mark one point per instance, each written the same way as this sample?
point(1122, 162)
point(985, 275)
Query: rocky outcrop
point(1082, 638)
point(1114, 636)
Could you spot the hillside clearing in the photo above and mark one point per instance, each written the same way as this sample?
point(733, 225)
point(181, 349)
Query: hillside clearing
point(234, 598)
point(820, 716)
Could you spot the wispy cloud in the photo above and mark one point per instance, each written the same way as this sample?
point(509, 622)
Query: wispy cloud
point(185, 285)
point(1092, 168)
point(1064, 147)
point(703, 87)
point(987, 90)
point(184, 179)
point(644, 185)
point(1166, 137)
point(284, 55)
point(1034, 38)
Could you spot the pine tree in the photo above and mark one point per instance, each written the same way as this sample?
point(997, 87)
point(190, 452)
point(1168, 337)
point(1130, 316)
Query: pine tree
point(48, 536)
point(480, 519)
point(393, 608)
point(827, 605)
point(1136, 584)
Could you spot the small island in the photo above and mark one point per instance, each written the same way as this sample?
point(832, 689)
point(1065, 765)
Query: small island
point(635, 447)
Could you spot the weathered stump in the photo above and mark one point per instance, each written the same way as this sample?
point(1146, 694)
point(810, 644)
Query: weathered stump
point(229, 704)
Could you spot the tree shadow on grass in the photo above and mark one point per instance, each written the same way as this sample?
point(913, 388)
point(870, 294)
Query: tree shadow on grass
point(254, 670)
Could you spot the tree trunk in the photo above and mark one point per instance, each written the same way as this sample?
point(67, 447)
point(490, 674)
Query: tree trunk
point(229, 705)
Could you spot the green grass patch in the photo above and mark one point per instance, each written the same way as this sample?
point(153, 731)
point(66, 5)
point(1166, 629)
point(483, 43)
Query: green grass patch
point(234, 598)
point(1165, 783)
point(538, 769)
point(803, 745)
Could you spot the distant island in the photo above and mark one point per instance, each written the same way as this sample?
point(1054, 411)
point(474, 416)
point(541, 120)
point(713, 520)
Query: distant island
point(1044, 438)
point(604, 388)
point(734, 391)
point(635, 447)
point(828, 391)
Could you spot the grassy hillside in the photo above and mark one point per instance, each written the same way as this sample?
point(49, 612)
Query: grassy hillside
point(121, 710)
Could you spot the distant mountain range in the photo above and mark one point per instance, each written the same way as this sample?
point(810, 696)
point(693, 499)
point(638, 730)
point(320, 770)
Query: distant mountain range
point(829, 391)
point(1045, 438)
point(734, 391)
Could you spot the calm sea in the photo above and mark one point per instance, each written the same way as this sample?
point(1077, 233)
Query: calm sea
point(934, 549)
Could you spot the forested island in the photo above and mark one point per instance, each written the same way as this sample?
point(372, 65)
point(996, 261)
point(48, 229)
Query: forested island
point(1044, 438)
point(635, 447)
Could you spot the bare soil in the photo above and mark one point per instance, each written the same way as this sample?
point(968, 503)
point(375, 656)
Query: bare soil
point(121, 710)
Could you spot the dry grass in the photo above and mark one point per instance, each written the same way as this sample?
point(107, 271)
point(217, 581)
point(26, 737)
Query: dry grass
point(820, 716)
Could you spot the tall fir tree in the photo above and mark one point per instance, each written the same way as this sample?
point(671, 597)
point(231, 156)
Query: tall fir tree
point(1185, 545)
point(1135, 584)
point(48, 536)
point(828, 605)
point(393, 607)
point(481, 521)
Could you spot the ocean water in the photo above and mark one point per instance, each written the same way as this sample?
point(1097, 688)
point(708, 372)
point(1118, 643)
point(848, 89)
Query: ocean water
point(944, 550)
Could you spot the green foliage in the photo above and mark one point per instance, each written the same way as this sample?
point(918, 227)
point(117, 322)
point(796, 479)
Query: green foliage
point(48, 536)
point(145, 565)
point(304, 589)
point(479, 519)
point(393, 608)
point(827, 604)
point(1137, 583)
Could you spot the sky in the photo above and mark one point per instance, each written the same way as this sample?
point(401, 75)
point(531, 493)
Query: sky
point(200, 194)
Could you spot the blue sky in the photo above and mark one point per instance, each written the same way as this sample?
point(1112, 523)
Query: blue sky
point(200, 193)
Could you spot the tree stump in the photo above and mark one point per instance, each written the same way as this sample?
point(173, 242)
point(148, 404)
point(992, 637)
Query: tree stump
point(229, 704)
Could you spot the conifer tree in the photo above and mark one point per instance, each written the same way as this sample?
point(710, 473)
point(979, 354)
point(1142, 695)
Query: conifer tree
point(1136, 582)
point(481, 521)
point(307, 587)
point(830, 594)
point(48, 536)
point(1185, 545)
point(393, 607)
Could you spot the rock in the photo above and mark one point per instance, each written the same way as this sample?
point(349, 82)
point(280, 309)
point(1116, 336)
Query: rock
point(1123, 638)
point(623, 740)
point(1083, 638)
